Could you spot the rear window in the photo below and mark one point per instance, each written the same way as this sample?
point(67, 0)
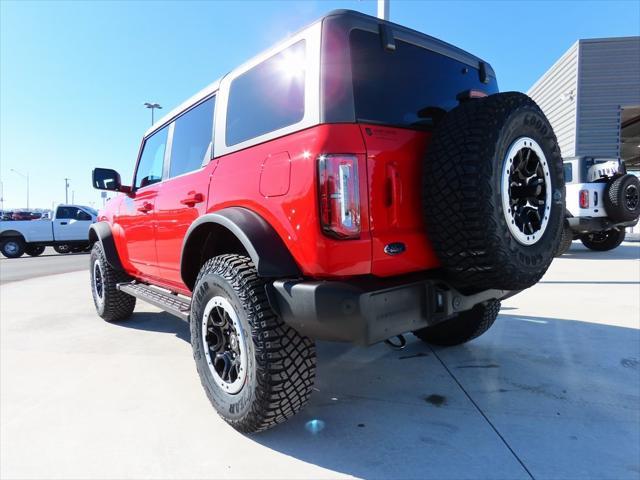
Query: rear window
point(268, 97)
point(409, 87)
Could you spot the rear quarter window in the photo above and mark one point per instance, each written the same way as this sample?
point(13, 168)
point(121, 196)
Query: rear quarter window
point(268, 97)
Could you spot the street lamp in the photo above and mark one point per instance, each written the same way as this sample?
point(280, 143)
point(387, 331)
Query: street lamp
point(23, 176)
point(152, 106)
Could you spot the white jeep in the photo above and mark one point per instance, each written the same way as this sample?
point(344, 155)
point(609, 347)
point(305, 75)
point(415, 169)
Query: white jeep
point(602, 200)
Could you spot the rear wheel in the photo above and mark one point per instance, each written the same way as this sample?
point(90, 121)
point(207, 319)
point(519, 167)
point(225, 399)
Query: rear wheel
point(111, 304)
point(463, 327)
point(603, 241)
point(494, 193)
point(12, 247)
point(256, 370)
point(34, 250)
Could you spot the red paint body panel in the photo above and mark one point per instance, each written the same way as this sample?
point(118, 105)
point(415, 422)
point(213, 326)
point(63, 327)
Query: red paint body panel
point(278, 180)
point(394, 162)
point(181, 200)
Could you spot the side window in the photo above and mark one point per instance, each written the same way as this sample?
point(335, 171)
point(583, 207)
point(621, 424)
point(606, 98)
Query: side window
point(267, 97)
point(66, 213)
point(82, 215)
point(152, 159)
point(192, 137)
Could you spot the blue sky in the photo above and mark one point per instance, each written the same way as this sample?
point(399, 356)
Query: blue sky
point(74, 76)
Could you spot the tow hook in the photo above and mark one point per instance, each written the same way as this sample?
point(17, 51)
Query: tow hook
point(399, 345)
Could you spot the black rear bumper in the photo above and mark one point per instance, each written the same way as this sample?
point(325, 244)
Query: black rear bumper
point(581, 225)
point(369, 311)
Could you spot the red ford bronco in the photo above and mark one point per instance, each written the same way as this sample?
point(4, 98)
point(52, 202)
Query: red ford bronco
point(355, 182)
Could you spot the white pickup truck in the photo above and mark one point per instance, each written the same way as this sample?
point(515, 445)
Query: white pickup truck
point(68, 231)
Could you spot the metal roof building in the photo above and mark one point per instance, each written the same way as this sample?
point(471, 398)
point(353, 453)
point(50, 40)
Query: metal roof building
point(591, 96)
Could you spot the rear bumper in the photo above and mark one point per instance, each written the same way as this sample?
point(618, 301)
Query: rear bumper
point(369, 311)
point(582, 225)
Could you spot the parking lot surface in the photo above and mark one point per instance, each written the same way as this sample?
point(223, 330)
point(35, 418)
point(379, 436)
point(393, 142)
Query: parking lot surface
point(49, 263)
point(551, 391)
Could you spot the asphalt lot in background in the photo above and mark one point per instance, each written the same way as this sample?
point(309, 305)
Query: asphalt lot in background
point(49, 263)
point(551, 391)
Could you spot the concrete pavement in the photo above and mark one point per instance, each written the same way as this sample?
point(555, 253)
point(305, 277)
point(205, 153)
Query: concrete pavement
point(49, 263)
point(551, 391)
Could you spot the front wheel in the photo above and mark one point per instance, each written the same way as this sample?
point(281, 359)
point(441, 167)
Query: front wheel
point(12, 247)
point(463, 327)
point(111, 304)
point(256, 370)
point(34, 250)
point(603, 241)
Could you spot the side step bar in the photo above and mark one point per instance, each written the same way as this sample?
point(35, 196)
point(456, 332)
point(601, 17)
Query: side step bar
point(167, 301)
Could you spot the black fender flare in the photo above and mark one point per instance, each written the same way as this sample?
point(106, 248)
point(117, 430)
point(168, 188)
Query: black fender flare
point(267, 250)
point(101, 232)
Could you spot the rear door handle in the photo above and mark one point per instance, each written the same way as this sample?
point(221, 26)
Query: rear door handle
point(145, 207)
point(63, 223)
point(192, 199)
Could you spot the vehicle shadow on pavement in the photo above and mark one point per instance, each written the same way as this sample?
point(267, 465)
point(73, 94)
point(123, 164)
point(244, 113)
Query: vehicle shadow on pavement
point(563, 394)
point(158, 322)
point(623, 252)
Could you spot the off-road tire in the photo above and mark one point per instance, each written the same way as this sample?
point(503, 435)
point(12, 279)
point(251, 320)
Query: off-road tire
point(12, 247)
point(603, 241)
point(117, 306)
point(462, 199)
point(566, 238)
point(62, 249)
point(281, 362)
point(621, 198)
point(463, 327)
point(34, 250)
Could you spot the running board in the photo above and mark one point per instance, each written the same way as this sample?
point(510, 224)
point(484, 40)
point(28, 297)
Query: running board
point(167, 301)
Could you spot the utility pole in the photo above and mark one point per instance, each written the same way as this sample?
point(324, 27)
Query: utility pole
point(383, 9)
point(152, 106)
point(27, 178)
point(66, 190)
point(73, 197)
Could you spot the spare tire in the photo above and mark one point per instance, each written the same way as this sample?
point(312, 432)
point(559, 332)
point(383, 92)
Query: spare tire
point(622, 198)
point(494, 193)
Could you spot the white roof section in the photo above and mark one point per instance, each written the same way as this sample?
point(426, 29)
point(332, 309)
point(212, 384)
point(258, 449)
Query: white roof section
point(205, 92)
point(212, 88)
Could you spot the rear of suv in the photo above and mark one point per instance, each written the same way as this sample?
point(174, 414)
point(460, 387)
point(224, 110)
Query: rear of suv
point(603, 200)
point(358, 181)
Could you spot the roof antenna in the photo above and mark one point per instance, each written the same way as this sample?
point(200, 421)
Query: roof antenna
point(383, 9)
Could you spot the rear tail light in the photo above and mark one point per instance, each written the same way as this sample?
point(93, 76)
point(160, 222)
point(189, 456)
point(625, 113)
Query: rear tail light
point(584, 198)
point(339, 196)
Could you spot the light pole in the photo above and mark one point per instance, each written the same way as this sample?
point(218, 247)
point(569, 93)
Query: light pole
point(66, 190)
point(383, 9)
point(152, 106)
point(27, 178)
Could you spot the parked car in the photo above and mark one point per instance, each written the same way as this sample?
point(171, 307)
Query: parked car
point(602, 201)
point(68, 230)
point(357, 181)
point(25, 215)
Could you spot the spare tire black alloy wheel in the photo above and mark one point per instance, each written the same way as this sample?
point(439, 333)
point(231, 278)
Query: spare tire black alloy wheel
point(632, 196)
point(526, 191)
point(622, 198)
point(493, 193)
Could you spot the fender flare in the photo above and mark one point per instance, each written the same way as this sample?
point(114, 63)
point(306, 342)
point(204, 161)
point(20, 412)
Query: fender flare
point(101, 232)
point(267, 250)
